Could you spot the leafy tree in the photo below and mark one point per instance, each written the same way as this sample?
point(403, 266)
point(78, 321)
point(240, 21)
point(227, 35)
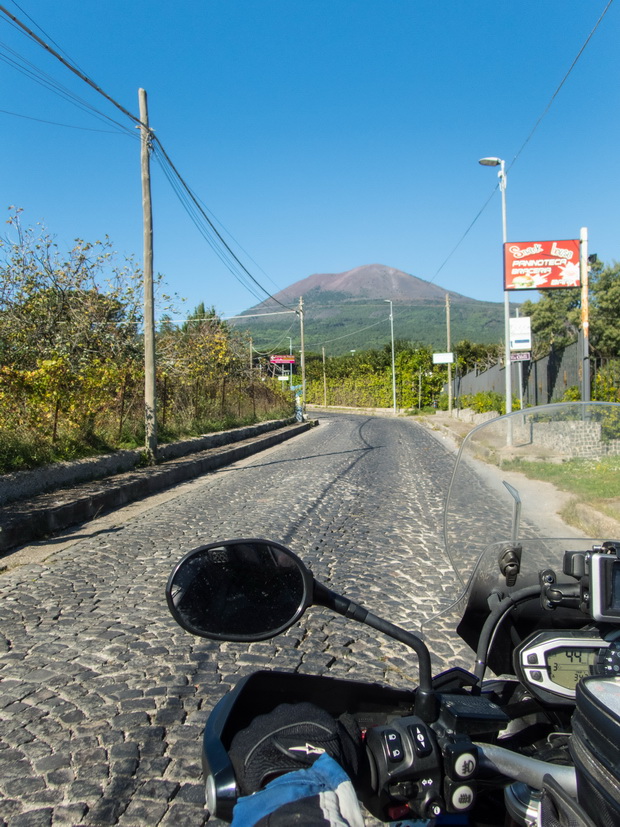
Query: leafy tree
point(69, 307)
point(68, 326)
point(469, 356)
point(605, 310)
point(556, 317)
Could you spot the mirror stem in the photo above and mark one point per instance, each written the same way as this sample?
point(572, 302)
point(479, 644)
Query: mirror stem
point(425, 704)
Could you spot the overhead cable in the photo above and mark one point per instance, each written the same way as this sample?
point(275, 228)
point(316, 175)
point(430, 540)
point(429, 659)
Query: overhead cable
point(181, 188)
point(55, 123)
point(214, 229)
point(527, 140)
point(67, 64)
point(354, 333)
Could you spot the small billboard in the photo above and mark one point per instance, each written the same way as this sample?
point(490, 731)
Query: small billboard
point(541, 265)
point(282, 360)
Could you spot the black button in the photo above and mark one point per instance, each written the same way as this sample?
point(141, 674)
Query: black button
point(532, 658)
point(421, 741)
point(394, 745)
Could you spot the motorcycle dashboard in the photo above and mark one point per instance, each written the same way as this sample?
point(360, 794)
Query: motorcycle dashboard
point(550, 664)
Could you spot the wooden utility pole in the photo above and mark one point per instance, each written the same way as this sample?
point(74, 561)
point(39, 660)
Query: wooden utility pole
point(449, 350)
point(324, 379)
point(150, 415)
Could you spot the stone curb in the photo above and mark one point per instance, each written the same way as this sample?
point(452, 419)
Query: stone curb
point(28, 520)
point(21, 485)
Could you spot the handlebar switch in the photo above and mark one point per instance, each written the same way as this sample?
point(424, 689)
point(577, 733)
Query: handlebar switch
point(393, 746)
point(421, 741)
point(406, 767)
point(459, 796)
point(432, 807)
point(460, 759)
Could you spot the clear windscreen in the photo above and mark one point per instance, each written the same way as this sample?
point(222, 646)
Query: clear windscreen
point(517, 483)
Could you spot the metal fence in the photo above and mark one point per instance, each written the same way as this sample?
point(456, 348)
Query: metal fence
point(536, 382)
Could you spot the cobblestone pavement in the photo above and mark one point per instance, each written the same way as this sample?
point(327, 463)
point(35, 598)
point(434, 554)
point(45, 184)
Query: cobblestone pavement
point(103, 698)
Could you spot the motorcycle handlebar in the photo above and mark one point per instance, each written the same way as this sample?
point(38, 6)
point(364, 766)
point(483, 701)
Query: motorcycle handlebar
point(530, 771)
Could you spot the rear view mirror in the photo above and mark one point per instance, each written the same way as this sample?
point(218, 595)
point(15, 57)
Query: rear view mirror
point(242, 590)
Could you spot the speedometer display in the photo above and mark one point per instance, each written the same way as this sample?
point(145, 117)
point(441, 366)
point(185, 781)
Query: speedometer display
point(551, 663)
point(567, 665)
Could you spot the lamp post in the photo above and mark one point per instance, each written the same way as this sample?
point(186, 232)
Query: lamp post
point(498, 162)
point(290, 367)
point(389, 301)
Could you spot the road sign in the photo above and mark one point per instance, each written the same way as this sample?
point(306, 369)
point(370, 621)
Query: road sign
point(521, 333)
point(282, 360)
point(520, 356)
point(443, 358)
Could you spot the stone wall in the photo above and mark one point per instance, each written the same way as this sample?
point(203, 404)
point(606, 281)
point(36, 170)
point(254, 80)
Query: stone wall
point(574, 439)
point(22, 484)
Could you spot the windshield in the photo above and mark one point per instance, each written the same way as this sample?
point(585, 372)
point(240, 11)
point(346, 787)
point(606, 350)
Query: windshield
point(520, 482)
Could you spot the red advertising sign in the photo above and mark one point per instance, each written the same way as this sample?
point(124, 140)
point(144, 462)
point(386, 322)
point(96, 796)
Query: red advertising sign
point(282, 360)
point(541, 265)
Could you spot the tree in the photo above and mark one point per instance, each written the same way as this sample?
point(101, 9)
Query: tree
point(470, 356)
point(605, 310)
point(68, 327)
point(556, 317)
point(71, 307)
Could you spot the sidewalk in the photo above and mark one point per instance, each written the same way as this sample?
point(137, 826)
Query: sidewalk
point(40, 516)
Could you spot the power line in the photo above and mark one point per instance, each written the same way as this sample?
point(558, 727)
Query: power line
point(192, 206)
point(562, 82)
point(354, 333)
point(213, 228)
point(27, 68)
point(55, 123)
point(67, 64)
point(527, 140)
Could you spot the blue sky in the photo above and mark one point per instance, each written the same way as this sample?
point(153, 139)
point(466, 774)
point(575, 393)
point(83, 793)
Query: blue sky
point(322, 134)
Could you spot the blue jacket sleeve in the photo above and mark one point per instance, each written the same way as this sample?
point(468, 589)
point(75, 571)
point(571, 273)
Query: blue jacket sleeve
point(320, 796)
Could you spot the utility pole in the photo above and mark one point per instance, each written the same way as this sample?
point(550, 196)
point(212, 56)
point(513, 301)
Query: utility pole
point(393, 363)
point(324, 380)
point(150, 413)
point(303, 352)
point(585, 316)
point(449, 364)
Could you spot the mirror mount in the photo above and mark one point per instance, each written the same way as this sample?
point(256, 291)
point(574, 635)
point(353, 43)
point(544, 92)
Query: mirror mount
point(425, 702)
point(249, 590)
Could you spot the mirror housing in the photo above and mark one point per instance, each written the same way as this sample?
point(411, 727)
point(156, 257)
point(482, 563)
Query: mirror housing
point(239, 590)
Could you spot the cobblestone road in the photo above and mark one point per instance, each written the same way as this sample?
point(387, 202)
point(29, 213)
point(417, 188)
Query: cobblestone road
point(103, 697)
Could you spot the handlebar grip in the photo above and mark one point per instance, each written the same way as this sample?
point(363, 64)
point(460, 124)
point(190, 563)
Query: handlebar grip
point(530, 771)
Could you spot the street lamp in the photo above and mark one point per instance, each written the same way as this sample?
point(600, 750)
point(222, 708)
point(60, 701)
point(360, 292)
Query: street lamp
point(393, 366)
point(290, 353)
point(498, 162)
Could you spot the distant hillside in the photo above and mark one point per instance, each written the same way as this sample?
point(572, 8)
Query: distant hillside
point(348, 311)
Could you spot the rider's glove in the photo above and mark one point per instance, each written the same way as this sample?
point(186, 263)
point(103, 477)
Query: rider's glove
point(290, 738)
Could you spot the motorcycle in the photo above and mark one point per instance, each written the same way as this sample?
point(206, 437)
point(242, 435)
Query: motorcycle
point(529, 736)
